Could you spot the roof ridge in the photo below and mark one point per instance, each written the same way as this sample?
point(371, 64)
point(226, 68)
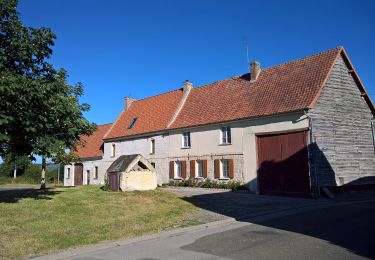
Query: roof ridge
point(205, 85)
point(272, 67)
point(305, 57)
point(142, 99)
point(105, 124)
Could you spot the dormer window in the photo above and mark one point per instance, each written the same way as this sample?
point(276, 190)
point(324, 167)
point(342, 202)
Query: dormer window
point(132, 123)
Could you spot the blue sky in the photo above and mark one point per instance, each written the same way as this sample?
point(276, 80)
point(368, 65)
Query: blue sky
point(142, 48)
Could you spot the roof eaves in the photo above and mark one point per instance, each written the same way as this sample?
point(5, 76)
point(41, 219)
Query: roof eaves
point(91, 158)
point(342, 52)
point(134, 136)
point(313, 102)
point(358, 80)
point(241, 119)
point(114, 123)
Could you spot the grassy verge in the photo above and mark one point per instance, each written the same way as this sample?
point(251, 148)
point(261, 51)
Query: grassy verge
point(33, 222)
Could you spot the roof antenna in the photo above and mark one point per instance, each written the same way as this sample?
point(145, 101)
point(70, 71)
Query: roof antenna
point(246, 45)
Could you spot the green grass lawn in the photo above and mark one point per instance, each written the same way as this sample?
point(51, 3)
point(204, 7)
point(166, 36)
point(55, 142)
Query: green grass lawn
point(34, 222)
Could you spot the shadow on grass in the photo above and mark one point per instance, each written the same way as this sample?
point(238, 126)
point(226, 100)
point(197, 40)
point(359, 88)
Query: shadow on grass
point(14, 195)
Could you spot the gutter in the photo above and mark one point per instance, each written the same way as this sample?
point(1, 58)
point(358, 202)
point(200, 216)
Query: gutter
point(166, 131)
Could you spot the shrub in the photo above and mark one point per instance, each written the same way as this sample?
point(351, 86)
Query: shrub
point(106, 186)
point(189, 182)
point(208, 183)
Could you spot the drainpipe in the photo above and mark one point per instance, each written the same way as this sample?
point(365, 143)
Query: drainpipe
point(311, 155)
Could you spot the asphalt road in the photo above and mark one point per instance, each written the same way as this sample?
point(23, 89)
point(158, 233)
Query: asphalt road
point(339, 231)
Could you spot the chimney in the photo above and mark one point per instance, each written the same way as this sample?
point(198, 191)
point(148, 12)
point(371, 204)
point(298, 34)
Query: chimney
point(254, 70)
point(187, 85)
point(128, 101)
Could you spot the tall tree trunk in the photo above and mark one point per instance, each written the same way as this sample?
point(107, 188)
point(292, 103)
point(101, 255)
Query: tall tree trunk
point(15, 171)
point(43, 180)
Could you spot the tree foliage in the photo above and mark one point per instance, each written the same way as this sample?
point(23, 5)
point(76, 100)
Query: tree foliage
point(40, 112)
point(21, 163)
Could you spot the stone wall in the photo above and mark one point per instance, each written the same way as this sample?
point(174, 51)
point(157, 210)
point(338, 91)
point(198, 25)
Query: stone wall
point(342, 147)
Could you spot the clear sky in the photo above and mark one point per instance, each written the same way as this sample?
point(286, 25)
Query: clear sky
point(142, 48)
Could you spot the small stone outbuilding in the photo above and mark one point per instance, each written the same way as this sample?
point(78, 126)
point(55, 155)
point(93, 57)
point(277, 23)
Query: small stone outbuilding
point(131, 172)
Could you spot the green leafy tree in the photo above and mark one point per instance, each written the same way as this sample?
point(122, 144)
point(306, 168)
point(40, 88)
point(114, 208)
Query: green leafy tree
point(40, 112)
point(14, 164)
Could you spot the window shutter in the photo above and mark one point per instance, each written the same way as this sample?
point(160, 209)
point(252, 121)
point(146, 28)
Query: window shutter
point(183, 170)
point(204, 166)
point(192, 169)
point(231, 168)
point(217, 168)
point(171, 170)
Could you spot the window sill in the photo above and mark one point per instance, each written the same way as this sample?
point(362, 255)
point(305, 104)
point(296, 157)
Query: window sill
point(151, 153)
point(225, 144)
point(224, 178)
point(178, 178)
point(199, 178)
point(188, 147)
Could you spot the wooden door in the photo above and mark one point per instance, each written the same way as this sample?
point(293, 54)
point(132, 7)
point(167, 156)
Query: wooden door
point(283, 167)
point(78, 174)
point(113, 179)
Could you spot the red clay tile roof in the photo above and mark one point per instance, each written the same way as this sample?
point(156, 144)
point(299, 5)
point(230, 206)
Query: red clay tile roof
point(93, 144)
point(153, 114)
point(284, 88)
point(287, 87)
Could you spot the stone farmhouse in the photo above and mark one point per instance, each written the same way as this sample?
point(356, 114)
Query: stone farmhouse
point(286, 130)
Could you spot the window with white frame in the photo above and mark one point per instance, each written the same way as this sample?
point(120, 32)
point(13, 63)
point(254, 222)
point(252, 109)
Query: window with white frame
point(199, 168)
point(178, 170)
point(152, 146)
point(68, 173)
point(186, 140)
point(226, 136)
point(113, 150)
point(225, 168)
point(96, 175)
